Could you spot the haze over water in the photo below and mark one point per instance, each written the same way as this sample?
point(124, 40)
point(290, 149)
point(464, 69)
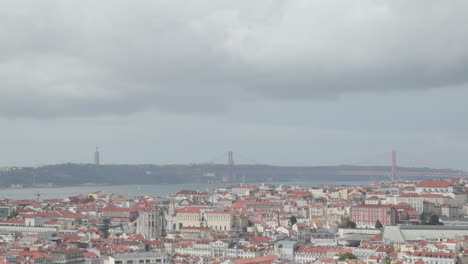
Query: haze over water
point(160, 190)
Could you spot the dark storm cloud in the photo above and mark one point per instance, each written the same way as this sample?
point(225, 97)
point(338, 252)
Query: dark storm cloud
point(62, 58)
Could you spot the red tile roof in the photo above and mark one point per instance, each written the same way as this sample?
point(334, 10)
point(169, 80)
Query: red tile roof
point(434, 184)
point(189, 210)
point(257, 260)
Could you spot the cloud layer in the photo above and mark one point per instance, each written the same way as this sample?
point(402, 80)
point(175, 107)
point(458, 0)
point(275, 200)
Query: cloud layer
point(119, 57)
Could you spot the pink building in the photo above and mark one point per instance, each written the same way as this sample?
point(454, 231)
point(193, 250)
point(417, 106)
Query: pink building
point(366, 215)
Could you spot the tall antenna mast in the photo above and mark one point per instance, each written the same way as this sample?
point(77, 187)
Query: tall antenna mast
point(97, 158)
point(394, 166)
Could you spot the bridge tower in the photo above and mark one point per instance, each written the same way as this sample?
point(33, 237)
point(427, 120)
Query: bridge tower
point(230, 171)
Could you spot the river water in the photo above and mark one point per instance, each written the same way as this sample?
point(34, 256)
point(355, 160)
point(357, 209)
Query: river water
point(161, 190)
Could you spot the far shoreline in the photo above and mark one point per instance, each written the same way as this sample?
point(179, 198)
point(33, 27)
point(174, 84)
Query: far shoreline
point(288, 183)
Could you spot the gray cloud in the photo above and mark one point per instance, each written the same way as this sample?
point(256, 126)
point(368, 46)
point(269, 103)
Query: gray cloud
point(118, 57)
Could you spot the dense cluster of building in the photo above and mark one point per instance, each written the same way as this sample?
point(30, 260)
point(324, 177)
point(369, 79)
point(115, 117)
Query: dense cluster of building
point(400, 222)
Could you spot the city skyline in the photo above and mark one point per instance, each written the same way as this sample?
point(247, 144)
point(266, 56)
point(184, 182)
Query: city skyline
point(241, 224)
point(233, 132)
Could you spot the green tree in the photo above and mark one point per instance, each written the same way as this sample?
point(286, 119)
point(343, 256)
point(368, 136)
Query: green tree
point(309, 197)
point(434, 220)
point(348, 223)
point(13, 214)
point(346, 256)
point(292, 220)
point(378, 224)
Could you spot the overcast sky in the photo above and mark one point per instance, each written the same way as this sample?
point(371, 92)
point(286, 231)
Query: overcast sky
point(280, 82)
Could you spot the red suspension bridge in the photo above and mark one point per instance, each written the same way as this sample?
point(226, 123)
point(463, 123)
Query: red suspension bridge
point(391, 172)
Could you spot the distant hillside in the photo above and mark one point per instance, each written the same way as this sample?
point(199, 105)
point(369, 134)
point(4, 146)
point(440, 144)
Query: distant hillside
point(80, 174)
